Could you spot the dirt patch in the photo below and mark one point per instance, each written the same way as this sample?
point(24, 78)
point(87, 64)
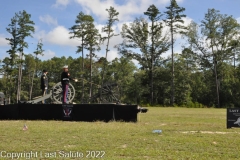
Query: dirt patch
point(124, 146)
point(206, 132)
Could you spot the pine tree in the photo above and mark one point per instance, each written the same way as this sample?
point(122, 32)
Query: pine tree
point(108, 29)
point(149, 40)
point(173, 20)
point(79, 31)
point(20, 28)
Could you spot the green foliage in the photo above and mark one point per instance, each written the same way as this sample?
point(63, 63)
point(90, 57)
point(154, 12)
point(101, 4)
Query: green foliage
point(20, 28)
point(149, 39)
point(205, 74)
point(108, 29)
point(212, 48)
point(79, 30)
point(174, 17)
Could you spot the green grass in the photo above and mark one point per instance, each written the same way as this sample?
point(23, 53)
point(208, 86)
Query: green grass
point(187, 133)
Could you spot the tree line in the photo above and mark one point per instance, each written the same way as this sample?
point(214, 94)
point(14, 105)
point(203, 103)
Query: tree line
point(204, 74)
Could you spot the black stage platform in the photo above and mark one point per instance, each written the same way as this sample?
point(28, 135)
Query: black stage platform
point(71, 112)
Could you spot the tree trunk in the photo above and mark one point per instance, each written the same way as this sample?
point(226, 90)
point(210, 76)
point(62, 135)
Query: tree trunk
point(31, 87)
point(104, 65)
point(234, 58)
point(18, 84)
point(90, 88)
point(172, 80)
point(19, 79)
point(152, 67)
point(151, 82)
point(10, 89)
point(82, 74)
point(217, 84)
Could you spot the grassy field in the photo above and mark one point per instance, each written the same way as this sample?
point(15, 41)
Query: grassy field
point(187, 134)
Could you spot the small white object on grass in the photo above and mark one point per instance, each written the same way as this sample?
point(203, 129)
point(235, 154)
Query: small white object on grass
point(157, 131)
point(25, 127)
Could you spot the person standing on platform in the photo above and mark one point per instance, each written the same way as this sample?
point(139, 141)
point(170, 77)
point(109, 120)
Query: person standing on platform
point(65, 78)
point(44, 83)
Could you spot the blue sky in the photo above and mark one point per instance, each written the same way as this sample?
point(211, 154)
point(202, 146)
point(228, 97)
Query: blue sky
point(53, 18)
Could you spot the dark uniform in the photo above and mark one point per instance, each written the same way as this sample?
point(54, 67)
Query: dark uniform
point(65, 78)
point(2, 98)
point(44, 83)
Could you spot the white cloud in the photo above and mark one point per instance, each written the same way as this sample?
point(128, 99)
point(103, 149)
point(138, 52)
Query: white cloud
point(96, 7)
point(115, 39)
point(179, 41)
point(58, 36)
point(187, 21)
point(136, 63)
point(118, 39)
point(238, 19)
point(112, 55)
point(61, 3)
point(126, 10)
point(49, 20)
point(48, 54)
point(3, 41)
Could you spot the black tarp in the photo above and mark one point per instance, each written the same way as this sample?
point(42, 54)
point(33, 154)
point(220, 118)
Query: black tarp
point(71, 112)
